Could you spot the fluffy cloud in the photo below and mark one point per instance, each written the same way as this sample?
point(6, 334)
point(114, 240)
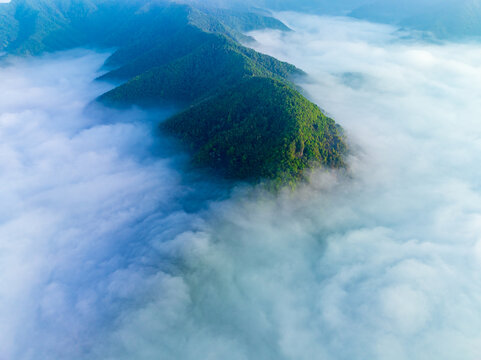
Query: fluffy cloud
point(108, 254)
point(78, 191)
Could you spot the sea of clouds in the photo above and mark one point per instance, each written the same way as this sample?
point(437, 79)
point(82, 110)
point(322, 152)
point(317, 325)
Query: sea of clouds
point(111, 249)
point(85, 194)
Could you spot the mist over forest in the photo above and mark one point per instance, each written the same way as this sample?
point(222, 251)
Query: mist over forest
point(115, 245)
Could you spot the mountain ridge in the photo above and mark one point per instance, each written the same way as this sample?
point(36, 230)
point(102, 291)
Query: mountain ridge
point(247, 138)
point(178, 54)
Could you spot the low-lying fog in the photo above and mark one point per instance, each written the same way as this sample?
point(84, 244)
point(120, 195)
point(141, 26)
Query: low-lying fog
point(104, 256)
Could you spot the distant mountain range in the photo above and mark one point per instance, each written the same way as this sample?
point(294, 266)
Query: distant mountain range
point(440, 19)
point(242, 115)
point(447, 19)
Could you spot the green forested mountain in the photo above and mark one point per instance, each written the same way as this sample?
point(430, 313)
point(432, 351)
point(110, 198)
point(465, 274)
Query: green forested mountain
point(35, 26)
point(216, 64)
point(262, 128)
point(244, 115)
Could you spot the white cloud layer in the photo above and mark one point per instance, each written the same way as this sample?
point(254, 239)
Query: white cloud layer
point(78, 193)
point(101, 259)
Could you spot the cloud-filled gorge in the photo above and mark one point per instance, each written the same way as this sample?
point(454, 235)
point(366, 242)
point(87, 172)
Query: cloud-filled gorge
point(109, 252)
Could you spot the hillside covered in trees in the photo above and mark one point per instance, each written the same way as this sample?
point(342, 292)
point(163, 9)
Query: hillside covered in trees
point(262, 128)
point(215, 64)
point(32, 27)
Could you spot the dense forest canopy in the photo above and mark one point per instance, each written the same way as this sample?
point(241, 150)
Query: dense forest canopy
point(262, 128)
